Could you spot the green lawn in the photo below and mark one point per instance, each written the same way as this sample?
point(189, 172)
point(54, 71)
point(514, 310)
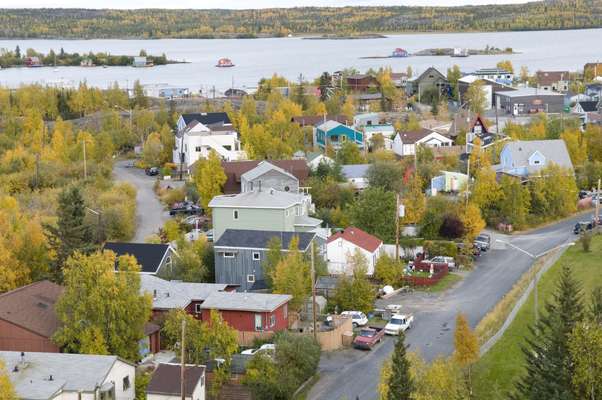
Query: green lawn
point(446, 282)
point(495, 373)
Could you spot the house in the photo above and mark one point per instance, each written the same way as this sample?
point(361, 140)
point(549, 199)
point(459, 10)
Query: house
point(199, 133)
point(166, 382)
point(386, 131)
point(263, 209)
point(587, 111)
point(235, 169)
point(476, 127)
point(529, 100)
point(356, 175)
point(139, 62)
point(241, 253)
point(162, 90)
point(361, 83)
point(234, 92)
point(553, 81)
point(315, 159)
point(366, 119)
point(27, 317)
point(405, 143)
point(527, 158)
point(342, 245)
point(153, 258)
point(58, 376)
point(399, 79)
point(268, 175)
point(173, 295)
point(428, 80)
point(489, 87)
point(499, 75)
point(448, 182)
point(33, 62)
point(251, 314)
point(594, 91)
point(332, 133)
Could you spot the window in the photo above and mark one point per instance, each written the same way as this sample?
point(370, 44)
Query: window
point(272, 320)
point(228, 254)
point(197, 308)
point(251, 278)
point(343, 138)
point(235, 214)
point(286, 213)
point(258, 322)
point(197, 149)
point(256, 256)
point(126, 383)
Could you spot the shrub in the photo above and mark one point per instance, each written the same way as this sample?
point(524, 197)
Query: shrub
point(586, 241)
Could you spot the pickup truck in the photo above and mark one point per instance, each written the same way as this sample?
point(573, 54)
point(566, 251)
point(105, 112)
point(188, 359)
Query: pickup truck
point(185, 208)
point(368, 338)
point(483, 241)
point(399, 323)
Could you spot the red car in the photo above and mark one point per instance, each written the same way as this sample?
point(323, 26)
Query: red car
point(368, 337)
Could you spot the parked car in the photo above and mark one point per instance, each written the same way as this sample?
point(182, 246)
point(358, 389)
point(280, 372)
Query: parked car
point(399, 323)
point(368, 338)
point(152, 171)
point(358, 318)
point(582, 226)
point(451, 264)
point(185, 208)
point(584, 193)
point(394, 307)
point(483, 241)
point(268, 348)
point(196, 220)
point(476, 250)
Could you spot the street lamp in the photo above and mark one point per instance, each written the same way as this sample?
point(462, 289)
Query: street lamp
point(535, 276)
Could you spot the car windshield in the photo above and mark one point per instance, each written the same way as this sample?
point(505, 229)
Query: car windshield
point(367, 333)
point(396, 321)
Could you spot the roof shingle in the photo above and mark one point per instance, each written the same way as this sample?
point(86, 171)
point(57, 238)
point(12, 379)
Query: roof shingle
point(358, 237)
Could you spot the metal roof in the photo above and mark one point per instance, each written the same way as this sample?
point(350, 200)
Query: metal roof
point(266, 198)
point(262, 168)
point(252, 239)
point(176, 294)
point(256, 302)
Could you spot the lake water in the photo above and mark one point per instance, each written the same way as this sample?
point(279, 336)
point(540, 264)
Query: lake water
point(257, 58)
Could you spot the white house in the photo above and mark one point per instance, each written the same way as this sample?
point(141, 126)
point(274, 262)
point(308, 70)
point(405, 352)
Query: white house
point(343, 245)
point(165, 384)
point(526, 158)
point(198, 134)
point(405, 143)
point(366, 119)
point(315, 159)
point(61, 376)
point(356, 175)
point(387, 131)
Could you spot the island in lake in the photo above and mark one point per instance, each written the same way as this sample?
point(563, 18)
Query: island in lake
point(346, 37)
point(31, 58)
point(449, 52)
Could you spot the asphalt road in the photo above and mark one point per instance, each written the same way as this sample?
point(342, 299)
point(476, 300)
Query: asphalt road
point(150, 214)
point(351, 374)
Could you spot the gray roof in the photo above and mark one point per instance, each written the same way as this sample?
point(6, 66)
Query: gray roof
point(70, 372)
point(523, 92)
point(328, 125)
point(267, 198)
point(304, 220)
point(553, 150)
point(355, 170)
point(262, 168)
point(256, 302)
point(176, 294)
point(251, 239)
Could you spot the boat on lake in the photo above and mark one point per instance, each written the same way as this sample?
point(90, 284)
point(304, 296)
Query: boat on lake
point(398, 52)
point(224, 63)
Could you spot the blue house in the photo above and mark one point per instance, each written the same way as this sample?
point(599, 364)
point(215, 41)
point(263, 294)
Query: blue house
point(527, 158)
point(335, 134)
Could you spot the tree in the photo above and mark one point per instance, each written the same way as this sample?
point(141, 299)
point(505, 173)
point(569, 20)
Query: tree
point(355, 293)
point(432, 220)
point(576, 146)
point(7, 391)
point(374, 212)
point(470, 215)
point(291, 276)
point(349, 153)
point(524, 73)
point(596, 306)
point(453, 74)
point(209, 179)
point(441, 380)
point(385, 174)
point(585, 346)
point(278, 378)
point(348, 109)
point(140, 98)
point(401, 385)
point(71, 233)
point(506, 65)
point(273, 258)
point(93, 322)
point(515, 201)
point(475, 97)
point(383, 382)
point(414, 200)
point(152, 150)
point(388, 270)
point(549, 366)
point(486, 191)
point(466, 347)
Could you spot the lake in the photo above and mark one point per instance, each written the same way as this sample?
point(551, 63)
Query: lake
point(257, 58)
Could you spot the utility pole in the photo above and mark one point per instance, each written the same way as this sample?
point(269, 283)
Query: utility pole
point(182, 154)
point(85, 166)
point(182, 357)
point(598, 203)
point(313, 292)
point(397, 227)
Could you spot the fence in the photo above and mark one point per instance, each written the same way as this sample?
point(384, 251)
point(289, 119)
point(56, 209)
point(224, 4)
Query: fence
point(333, 339)
point(425, 281)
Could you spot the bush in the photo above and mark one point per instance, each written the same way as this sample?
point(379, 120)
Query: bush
point(440, 248)
point(388, 271)
point(586, 241)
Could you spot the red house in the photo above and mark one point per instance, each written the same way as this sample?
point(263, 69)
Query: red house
point(251, 314)
point(361, 82)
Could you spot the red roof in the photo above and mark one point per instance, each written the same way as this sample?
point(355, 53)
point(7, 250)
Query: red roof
point(359, 238)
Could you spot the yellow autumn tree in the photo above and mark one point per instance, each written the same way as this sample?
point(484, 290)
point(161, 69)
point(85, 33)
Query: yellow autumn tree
point(466, 347)
point(7, 391)
point(209, 178)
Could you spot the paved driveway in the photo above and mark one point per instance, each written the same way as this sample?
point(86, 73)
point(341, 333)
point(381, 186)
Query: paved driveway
point(351, 374)
point(150, 214)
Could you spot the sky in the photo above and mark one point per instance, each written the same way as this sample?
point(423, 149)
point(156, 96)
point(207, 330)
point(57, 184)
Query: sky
point(233, 4)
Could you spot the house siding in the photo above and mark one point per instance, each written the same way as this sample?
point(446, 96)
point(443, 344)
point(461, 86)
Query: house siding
point(15, 338)
point(244, 321)
point(252, 218)
point(271, 179)
point(235, 270)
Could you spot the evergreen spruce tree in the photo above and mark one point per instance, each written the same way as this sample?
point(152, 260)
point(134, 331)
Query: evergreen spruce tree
point(548, 361)
point(71, 233)
point(401, 385)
